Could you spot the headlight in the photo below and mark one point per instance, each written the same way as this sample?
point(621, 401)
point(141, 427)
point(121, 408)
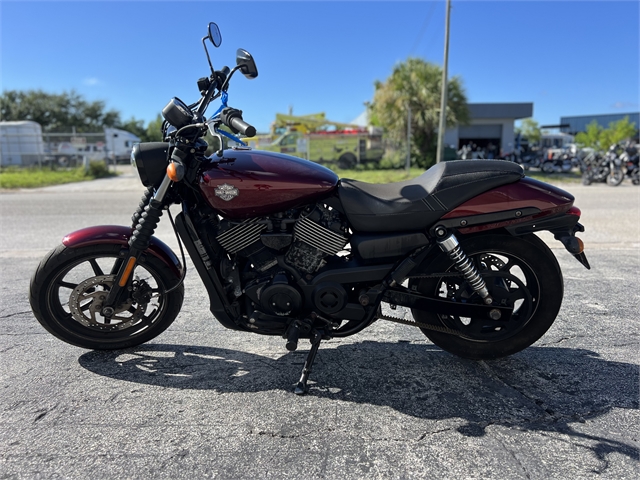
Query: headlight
point(150, 160)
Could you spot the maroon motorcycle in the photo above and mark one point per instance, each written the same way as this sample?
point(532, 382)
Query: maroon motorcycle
point(286, 248)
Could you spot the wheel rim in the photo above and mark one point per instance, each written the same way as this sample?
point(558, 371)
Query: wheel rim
point(76, 293)
point(511, 282)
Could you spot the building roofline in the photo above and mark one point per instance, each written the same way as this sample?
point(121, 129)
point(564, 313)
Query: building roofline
point(514, 110)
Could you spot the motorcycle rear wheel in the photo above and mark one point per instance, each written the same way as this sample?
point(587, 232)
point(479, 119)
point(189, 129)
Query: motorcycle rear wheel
point(69, 285)
point(520, 272)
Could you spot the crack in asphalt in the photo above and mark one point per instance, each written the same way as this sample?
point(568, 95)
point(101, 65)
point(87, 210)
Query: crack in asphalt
point(14, 314)
point(563, 339)
point(515, 458)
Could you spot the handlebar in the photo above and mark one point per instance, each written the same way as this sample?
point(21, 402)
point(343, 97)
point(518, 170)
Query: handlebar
point(232, 118)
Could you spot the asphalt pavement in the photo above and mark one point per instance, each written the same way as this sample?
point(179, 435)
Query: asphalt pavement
point(201, 401)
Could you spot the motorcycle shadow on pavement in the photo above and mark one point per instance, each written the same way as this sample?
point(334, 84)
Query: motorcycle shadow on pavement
point(539, 389)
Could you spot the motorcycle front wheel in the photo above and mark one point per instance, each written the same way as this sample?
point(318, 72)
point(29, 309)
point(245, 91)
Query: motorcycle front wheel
point(548, 167)
point(520, 272)
point(615, 177)
point(70, 284)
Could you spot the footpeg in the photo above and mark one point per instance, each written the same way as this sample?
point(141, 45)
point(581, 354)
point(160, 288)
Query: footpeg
point(293, 334)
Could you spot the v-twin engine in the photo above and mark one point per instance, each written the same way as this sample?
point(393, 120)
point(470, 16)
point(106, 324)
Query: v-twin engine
point(318, 232)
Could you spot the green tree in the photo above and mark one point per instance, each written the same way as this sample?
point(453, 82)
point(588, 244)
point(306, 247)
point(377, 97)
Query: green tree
point(617, 132)
point(416, 84)
point(602, 138)
point(57, 112)
point(154, 130)
point(591, 137)
point(136, 127)
point(530, 129)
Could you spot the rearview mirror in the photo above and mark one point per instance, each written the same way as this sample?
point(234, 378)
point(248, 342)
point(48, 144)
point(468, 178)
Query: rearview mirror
point(214, 34)
point(246, 63)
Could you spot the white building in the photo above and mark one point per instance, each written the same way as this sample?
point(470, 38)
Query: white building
point(489, 123)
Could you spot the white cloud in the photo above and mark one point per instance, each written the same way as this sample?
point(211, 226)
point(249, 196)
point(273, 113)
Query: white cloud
point(621, 105)
point(92, 81)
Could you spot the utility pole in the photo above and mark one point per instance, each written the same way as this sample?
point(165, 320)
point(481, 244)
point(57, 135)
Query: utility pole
point(407, 165)
point(443, 102)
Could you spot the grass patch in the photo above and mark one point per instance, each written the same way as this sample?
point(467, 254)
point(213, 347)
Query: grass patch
point(33, 177)
point(398, 175)
point(569, 177)
point(379, 176)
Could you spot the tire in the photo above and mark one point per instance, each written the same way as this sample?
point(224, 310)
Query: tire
point(69, 282)
point(547, 167)
point(615, 177)
point(519, 271)
point(347, 161)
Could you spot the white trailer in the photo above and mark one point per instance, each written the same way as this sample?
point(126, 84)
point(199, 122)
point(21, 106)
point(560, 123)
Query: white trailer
point(119, 144)
point(21, 143)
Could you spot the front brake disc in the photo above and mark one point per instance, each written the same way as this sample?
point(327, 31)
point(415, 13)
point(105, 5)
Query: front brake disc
point(85, 304)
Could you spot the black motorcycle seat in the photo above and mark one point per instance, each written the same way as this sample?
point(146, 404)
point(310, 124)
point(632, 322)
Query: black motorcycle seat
point(418, 203)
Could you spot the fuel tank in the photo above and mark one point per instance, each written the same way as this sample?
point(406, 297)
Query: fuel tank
point(250, 183)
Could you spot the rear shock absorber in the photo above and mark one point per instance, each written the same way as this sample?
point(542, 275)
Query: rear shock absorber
point(450, 245)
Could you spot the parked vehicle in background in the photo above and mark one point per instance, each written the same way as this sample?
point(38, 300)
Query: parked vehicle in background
point(314, 137)
point(603, 168)
point(21, 143)
point(346, 148)
point(119, 144)
point(558, 161)
point(630, 162)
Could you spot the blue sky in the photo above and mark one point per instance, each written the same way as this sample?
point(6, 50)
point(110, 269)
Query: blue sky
point(568, 58)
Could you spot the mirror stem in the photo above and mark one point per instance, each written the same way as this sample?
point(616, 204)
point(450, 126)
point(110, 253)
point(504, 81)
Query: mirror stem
point(204, 44)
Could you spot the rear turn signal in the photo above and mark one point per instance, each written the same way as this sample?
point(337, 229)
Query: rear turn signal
point(580, 245)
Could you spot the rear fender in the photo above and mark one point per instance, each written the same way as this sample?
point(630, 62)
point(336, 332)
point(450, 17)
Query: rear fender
point(509, 205)
point(119, 235)
point(520, 208)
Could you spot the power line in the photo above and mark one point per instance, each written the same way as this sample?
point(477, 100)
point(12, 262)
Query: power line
point(423, 29)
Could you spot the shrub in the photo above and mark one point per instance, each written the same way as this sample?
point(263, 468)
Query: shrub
point(98, 169)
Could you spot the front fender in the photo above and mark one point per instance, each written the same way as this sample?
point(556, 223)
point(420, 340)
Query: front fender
point(119, 235)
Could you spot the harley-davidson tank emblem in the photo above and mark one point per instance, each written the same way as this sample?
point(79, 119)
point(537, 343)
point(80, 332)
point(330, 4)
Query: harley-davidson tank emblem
point(226, 192)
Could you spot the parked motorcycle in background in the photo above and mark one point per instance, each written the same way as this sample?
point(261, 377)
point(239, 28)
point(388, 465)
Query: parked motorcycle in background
point(284, 247)
point(629, 159)
point(605, 168)
point(558, 163)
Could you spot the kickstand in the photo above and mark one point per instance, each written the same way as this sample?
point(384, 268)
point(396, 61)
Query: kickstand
point(301, 388)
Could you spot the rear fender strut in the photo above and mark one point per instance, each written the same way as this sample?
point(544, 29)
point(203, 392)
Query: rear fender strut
point(564, 228)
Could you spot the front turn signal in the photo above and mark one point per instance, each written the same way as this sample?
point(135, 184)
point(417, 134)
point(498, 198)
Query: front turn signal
point(175, 171)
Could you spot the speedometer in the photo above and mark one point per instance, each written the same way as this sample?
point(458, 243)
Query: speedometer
point(177, 113)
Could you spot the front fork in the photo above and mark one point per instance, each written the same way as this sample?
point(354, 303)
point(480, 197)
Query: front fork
point(145, 221)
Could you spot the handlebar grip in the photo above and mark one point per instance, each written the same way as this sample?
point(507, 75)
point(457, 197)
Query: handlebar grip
point(242, 126)
point(232, 117)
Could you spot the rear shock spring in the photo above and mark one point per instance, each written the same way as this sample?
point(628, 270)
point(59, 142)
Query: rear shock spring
point(463, 264)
